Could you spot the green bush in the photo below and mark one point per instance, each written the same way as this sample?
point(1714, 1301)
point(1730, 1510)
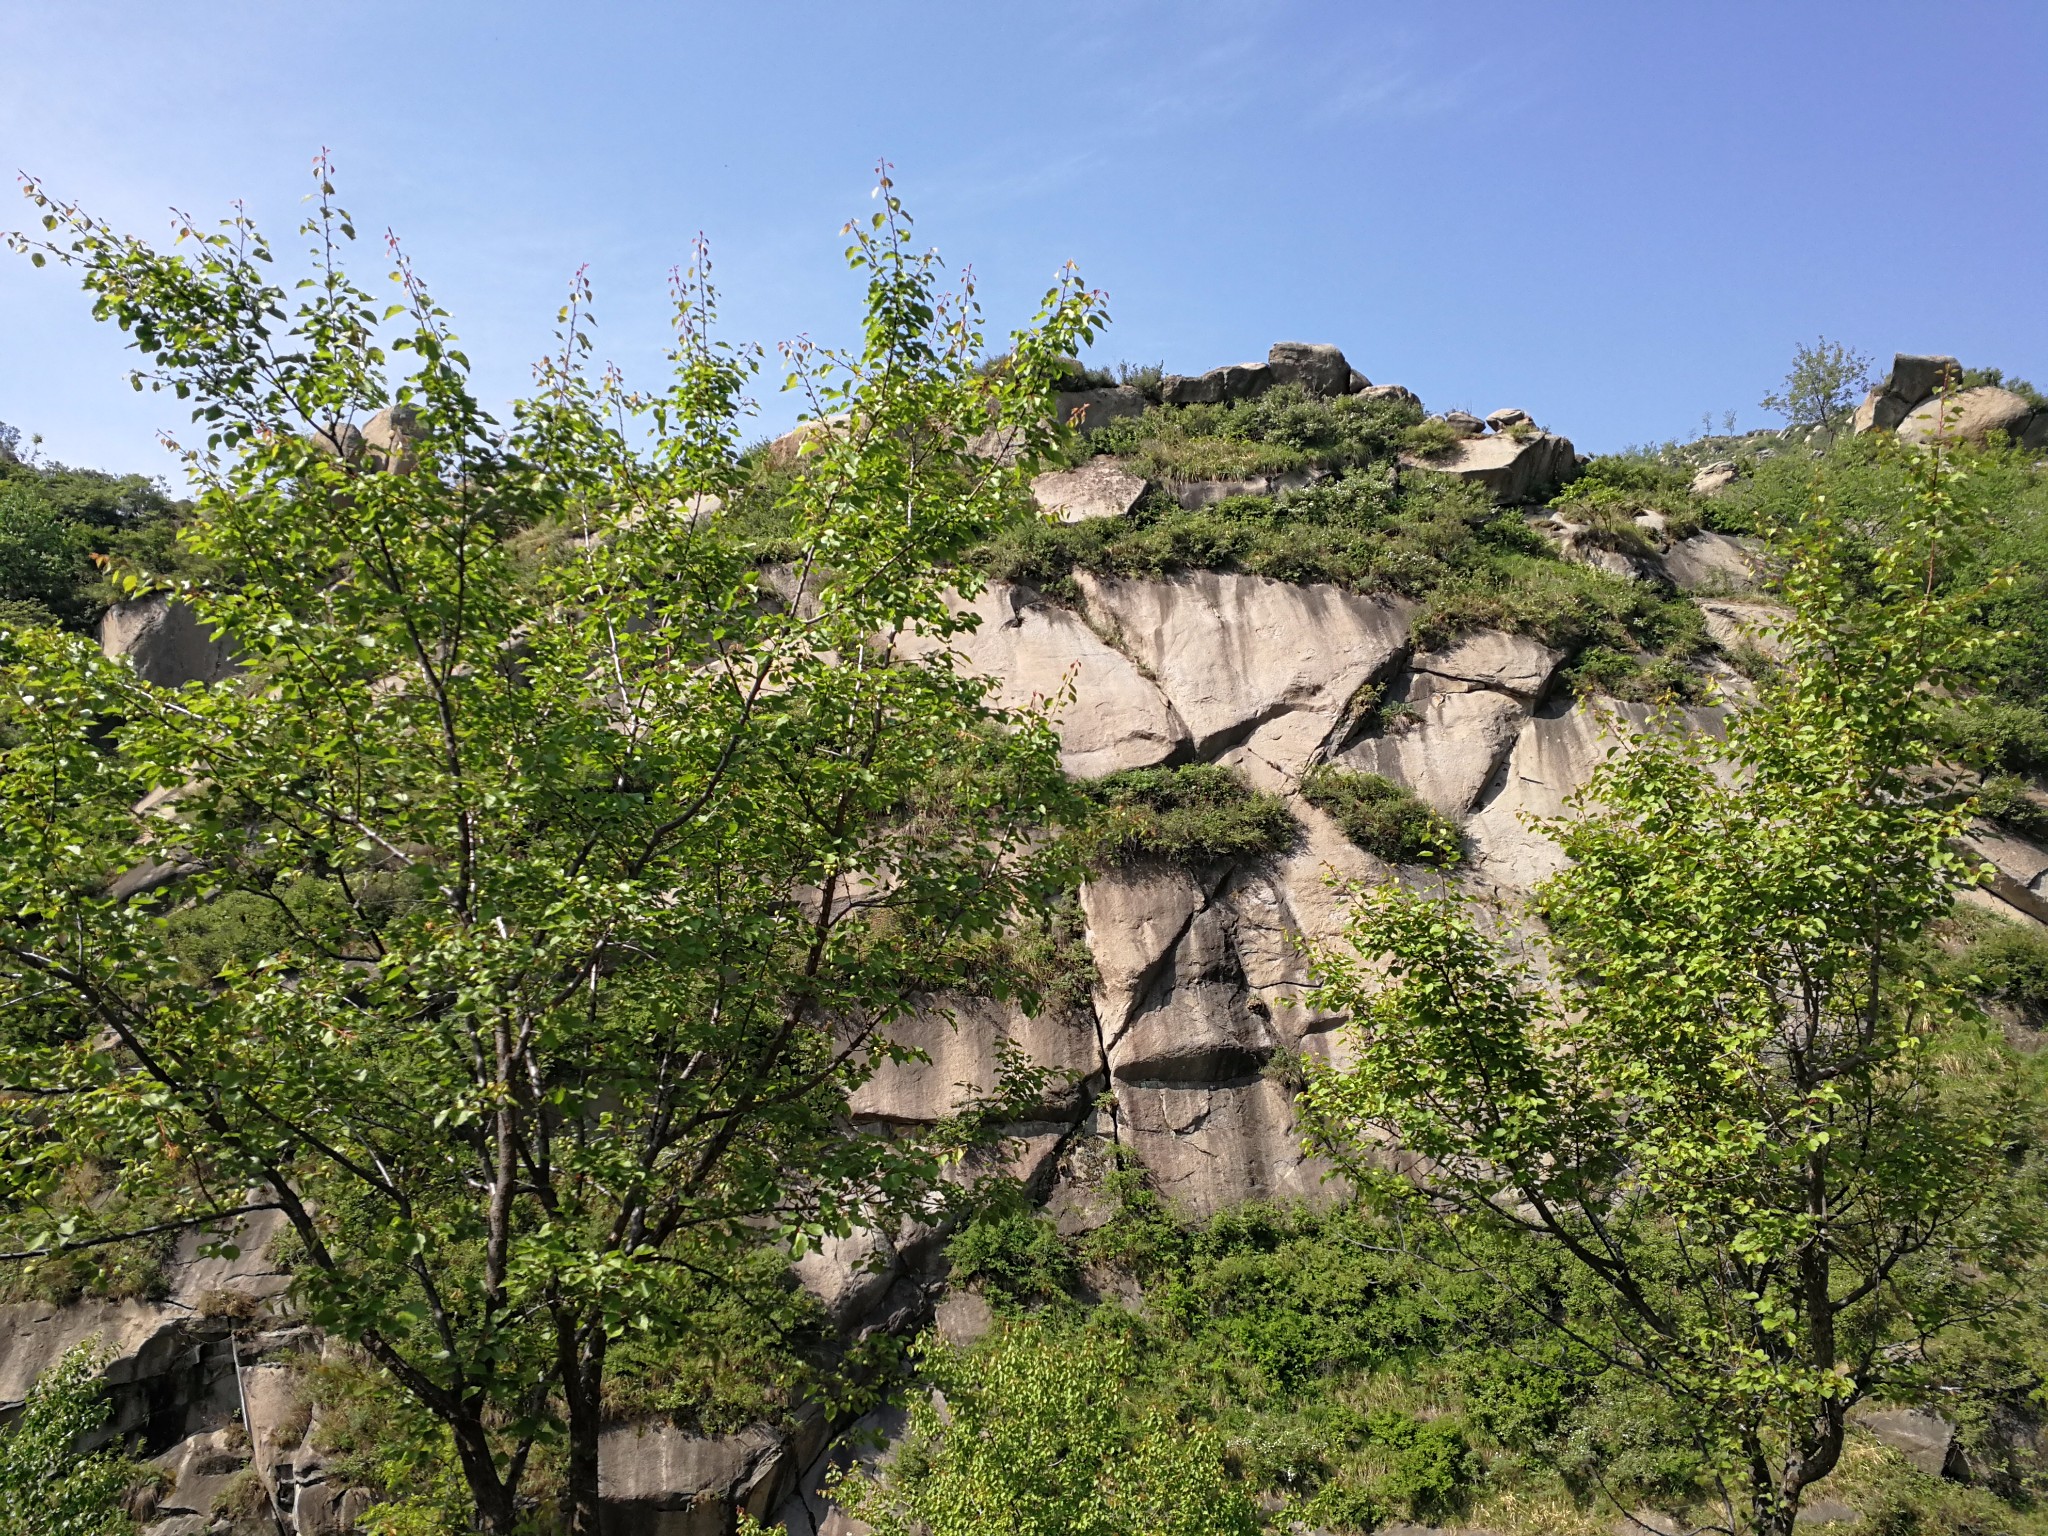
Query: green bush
point(1011, 1254)
point(2004, 799)
point(1343, 1506)
point(1637, 678)
point(2010, 960)
point(1193, 815)
point(1433, 1468)
point(1382, 817)
point(2001, 732)
point(1282, 430)
point(1431, 439)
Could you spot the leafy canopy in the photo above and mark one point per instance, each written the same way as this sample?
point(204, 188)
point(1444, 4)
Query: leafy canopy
point(597, 870)
point(1720, 1085)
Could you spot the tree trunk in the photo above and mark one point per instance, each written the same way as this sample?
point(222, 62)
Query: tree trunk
point(495, 1511)
point(580, 1368)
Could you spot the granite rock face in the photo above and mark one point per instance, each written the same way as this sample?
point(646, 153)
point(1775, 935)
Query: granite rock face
point(165, 642)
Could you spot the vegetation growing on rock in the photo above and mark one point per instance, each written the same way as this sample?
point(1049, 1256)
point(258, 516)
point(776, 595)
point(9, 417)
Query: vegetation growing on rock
point(1192, 815)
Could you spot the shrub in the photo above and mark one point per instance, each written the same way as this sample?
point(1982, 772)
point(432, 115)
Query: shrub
point(1012, 1254)
point(1637, 678)
point(1284, 429)
point(2002, 732)
point(1193, 815)
point(1382, 817)
point(2004, 799)
point(1431, 439)
point(2012, 963)
point(1343, 1506)
point(1433, 1468)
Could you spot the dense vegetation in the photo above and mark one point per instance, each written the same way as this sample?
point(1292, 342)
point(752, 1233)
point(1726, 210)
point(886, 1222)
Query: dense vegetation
point(58, 528)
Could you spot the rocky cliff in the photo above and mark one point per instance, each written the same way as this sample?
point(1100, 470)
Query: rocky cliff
point(1180, 1057)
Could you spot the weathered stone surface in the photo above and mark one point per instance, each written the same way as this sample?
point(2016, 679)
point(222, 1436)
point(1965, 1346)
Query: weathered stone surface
point(1087, 409)
point(1710, 562)
point(961, 1317)
point(1879, 412)
point(789, 448)
point(1513, 470)
point(1194, 1025)
point(199, 1467)
point(1135, 917)
point(1464, 423)
point(1211, 1147)
point(1712, 479)
point(1967, 416)
point(1233, 381)
point(165, 643)
point(1116, 717)
point(1488, 658)
point(658, 1481)
point(1448, 748)
point(391, 437)
point(1733, 624)
point(1508, 416)
point(1556, 752)
point(1926, 1440)
point(2019, 870)
point(1914, 377)
point(849, 1274)
point(960, 1034)
point(1232, 651)
point(1193, 494)
point(1318, 368)
point(1099, 488)
point(1389, 392)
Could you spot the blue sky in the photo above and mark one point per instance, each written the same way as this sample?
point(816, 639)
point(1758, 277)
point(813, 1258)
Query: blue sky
point(1615, 215)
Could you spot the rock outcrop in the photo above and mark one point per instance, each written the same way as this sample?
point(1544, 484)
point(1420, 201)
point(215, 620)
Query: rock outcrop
point(165, 642)
point(1099, 488)
point(1968, 416)
point(1514, 470)
point(1317, 368)
point(1922, 400)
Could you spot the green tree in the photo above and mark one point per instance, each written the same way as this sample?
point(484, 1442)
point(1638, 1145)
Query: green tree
point(1032, 1434)
point(1824, 382)
point(42, 553)
point(607, 858)
point(1729, 1097)
point(46, 1487)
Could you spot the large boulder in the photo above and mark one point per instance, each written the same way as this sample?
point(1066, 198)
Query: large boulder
point(1232, 651)
point(1195, 1025)
point(391, 438)
point(1195, 494)
point(656, 1480)
point(1879, 412)
point(1710, 562)
point(1488, 658)
point(1318, 368)
point(1914, 377)
point(1233, 381)
point(1446, 744)
point(1926, 1440)
point(1968, 416)
point(166, 643)
point(1116, 717)
point(1514, 470)
point(1099, 488)
point(1087, 409)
